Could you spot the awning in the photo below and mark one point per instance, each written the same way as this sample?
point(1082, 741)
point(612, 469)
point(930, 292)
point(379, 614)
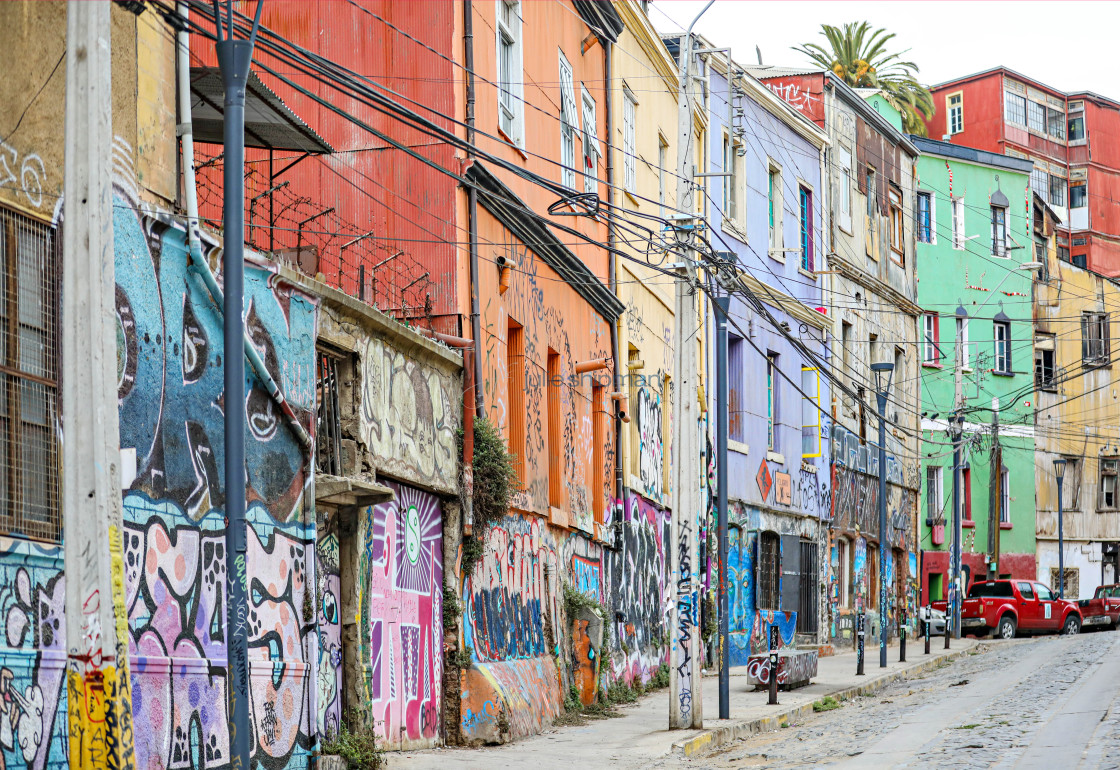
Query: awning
point(269, 123)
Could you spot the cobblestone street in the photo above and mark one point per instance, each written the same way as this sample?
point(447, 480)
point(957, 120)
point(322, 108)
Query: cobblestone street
point(1049, 702)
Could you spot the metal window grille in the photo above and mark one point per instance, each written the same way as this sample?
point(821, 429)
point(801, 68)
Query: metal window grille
point(770, 571)
point(807, 600)
point(29, 338)
point(328, 438)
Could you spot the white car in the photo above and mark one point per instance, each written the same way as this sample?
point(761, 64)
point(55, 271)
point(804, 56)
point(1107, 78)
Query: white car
point(936, 619)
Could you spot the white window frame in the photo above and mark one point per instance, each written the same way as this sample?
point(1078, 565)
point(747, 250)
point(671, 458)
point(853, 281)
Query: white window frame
point(959, 232)
point(629, 141)
point(932, 216)
point(662, 170)
point(1004, 496)
point(930, 339)
point(569, 123)
point(1002, 363)
point(935, 491)
point(772, 402)
point(844, 193)
point(511, 107)
point(775, 200)
point(999, 231)
point(955, 123)
point(591, 150)
point(962, 326)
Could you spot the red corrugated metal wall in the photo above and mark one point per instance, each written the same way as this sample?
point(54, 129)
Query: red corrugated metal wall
point(402, 207)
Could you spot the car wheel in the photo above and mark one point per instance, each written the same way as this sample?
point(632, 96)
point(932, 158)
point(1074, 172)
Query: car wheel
point(1072, 625)
point(1006, 629)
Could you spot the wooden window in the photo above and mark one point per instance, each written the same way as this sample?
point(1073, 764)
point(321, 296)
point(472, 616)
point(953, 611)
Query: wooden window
point(966, 493)
point(736, 411)
point(1004, 496)
point(1095, 345)
point(29, 347)
point(810, 412)
point(1108, 472)
point(842, 571)
point(935, 492)
point(590, 144)
point(515, 397)
point(772, 401)
point(774, 208)
point(1071, 485)
point(569, 124)
point(898, 229)
point(958, 223)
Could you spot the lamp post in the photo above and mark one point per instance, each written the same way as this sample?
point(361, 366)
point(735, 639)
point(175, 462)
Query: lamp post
point(1060, 474)
point(882, 372)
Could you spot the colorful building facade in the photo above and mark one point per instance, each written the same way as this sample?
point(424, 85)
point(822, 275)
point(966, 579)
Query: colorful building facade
point(871, 297)
point(768, 215)
point(979, 227)
point(1068, 137)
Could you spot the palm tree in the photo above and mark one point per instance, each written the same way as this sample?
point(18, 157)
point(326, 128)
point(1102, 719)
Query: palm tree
point(858, 55)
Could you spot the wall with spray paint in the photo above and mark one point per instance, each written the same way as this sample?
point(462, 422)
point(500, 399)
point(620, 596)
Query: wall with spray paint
point(170, 394)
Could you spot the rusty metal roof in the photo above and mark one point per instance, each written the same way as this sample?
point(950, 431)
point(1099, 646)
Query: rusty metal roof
point(269, 123)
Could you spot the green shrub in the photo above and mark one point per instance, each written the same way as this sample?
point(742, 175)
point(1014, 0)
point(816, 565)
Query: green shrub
point(827, 703)
point(356, 744)
point(495, 482)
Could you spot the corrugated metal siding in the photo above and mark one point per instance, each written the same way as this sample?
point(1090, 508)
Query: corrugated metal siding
point(403, 207)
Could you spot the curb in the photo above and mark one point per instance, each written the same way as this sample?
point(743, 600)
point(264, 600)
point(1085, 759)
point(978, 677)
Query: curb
point(720, 736)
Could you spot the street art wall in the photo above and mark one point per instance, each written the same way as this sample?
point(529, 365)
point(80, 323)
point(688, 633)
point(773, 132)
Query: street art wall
point(410, 413)
point(636, 572)
point(400, 590)
point(170, 390)
point(749, 626)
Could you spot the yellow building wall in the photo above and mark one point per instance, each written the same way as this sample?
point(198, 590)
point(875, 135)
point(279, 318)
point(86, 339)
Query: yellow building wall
point(642, 66)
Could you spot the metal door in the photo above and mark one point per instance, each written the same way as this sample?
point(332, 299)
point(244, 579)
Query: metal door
point(791, 572)
point(807, 603)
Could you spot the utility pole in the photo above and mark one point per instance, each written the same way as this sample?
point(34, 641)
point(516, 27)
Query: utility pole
point(97, 672)
point(685, 698)
point(956, 423)
point(995, 495)
point(723, 305)
point(234, 58)
point(882, 372)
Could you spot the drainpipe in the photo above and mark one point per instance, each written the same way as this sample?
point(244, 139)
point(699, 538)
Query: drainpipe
point(612, 241)
point(472, 209)
point(194, 240)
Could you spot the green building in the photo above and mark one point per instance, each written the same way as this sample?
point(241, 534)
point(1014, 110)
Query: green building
point(974, 238)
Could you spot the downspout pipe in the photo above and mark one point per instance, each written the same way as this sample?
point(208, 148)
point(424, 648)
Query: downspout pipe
point(194, 239)
point(472, 208)
point(612, 240)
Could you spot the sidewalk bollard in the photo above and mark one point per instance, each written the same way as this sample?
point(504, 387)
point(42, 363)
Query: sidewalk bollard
point(902, 640)
point(946, 630)
point(859, 644)
point(929, 612)
point(775, 641)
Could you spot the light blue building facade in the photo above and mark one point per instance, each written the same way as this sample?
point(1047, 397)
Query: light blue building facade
point(766, 212)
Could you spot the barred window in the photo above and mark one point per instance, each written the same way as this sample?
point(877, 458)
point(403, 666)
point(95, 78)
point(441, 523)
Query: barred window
point(29, 481)
point(769, 571)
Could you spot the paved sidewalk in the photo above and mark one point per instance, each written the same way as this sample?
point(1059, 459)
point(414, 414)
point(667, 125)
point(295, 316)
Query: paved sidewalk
point(640, 737)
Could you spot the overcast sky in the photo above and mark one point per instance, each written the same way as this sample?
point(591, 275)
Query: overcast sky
point(1071, 46)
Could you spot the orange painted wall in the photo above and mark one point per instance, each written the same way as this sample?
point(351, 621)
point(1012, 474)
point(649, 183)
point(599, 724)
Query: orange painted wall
point(552, 315)
point(547, 28)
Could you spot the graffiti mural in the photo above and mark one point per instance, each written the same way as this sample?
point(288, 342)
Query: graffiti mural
point(170, 392)
point(400, 584)
point(639, 591)
point(409, 414)
point(651, 452)
point(33, 729)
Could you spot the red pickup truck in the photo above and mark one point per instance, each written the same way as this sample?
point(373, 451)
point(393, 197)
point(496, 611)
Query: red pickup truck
point(1103, 609)
point(1007, 607)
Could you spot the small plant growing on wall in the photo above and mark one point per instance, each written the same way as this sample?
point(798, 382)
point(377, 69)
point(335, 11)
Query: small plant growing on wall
point(356, 743)
point(495, 482)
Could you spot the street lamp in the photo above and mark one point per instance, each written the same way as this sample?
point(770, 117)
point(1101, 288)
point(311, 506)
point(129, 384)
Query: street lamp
point(882, 372)
point(1060, 474)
